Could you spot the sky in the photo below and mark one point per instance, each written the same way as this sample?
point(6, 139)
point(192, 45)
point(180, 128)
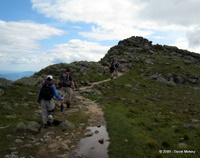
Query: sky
point(37, 33)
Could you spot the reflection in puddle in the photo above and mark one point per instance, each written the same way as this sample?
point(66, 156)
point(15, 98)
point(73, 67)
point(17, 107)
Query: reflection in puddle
point(95, 146)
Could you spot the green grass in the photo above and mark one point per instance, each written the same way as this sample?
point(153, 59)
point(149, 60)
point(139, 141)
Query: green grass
point(149, 117)
point(13, 111)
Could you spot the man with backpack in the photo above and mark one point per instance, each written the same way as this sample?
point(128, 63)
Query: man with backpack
point(117, 65)
point(67, 88)
point(112, 69)
point(46, 94)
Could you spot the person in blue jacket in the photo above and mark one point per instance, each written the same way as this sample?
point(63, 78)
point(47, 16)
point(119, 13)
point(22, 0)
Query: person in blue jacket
point(46, 94)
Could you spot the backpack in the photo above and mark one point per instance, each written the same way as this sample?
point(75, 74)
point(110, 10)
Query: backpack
point(46, 91)
point(65, 80)
point(117, 64)
point(112, 66)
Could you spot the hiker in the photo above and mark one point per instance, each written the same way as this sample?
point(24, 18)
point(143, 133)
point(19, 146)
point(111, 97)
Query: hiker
point(67, 88)
point(46, 94)
point(112, 69)
point(117, 65)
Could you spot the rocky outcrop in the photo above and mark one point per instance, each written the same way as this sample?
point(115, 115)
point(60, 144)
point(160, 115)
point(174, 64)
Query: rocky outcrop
point(4, 83)
point(81, 71)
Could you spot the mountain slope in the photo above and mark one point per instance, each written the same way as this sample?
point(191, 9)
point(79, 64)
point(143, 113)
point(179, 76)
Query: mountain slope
point(152, 108)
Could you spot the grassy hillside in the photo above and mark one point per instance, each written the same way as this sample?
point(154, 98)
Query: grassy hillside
point(145, 116)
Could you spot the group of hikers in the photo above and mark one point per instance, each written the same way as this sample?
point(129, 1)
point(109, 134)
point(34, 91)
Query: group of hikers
point(67, 88)
point(48, 91)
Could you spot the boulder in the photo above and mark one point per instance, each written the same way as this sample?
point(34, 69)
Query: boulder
point(67, 125)
point(30, 126)
point(4, 83)
point(90, 92)
point(1, 92)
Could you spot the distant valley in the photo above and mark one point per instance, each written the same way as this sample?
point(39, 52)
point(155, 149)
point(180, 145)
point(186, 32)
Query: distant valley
point(13, 76)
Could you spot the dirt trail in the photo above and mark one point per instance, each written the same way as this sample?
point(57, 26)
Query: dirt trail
point(90, 147)
point(96, 113)
point(57, 147)
point(96, 83)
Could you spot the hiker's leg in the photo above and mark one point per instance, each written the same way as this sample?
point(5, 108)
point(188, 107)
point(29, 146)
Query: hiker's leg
point(44, 111)
point(116, 72)
point(112, 75)
point(51, 106)
point(63, 93)
point(69, 94)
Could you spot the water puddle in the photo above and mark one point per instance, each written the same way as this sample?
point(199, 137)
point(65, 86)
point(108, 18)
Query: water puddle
point(95, 145)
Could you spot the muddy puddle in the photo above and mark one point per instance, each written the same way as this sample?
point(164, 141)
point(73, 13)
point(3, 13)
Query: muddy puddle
point(95, 145)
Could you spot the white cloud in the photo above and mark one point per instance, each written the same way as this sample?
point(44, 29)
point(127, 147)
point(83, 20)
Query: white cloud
point(193, 37)
point(19, 41)
point(183, 13)
point(113, 19)
point(24, 36)
point(74, 50)
point(77, 50)
point(116, 19)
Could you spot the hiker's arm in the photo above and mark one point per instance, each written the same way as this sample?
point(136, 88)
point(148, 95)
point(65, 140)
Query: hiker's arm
point(73, 85)
point(56, 94)
point(39, 95)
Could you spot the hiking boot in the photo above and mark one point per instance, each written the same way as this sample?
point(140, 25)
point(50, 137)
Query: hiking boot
point(68, 105)
point(45, 126)
point(48, 123)
point(61, 107)
point(50, 117)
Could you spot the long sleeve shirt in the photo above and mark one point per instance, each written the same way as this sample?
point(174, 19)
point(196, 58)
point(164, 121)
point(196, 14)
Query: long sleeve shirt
point(56, 93)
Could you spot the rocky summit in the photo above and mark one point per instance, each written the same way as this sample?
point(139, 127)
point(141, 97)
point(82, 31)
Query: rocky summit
point(166, 64)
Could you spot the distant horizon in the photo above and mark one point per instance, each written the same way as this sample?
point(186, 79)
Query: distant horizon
point(13, 76)
point(9, 71)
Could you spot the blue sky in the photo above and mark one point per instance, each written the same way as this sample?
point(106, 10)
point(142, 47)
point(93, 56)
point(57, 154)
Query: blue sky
point(38, 33)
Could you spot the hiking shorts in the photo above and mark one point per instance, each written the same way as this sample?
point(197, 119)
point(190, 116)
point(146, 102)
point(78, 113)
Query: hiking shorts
point(66, 92)
point(112, 71)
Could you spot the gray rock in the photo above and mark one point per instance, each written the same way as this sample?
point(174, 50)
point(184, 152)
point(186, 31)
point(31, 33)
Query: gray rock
point(7, 107)
point(67, 125)
point(182, 145)
point(192, 126)
point(128, 85)
point(18, 141)
point(1, 92)
point(90, 92)
point(62, 156)
point(31, 126)
point(89, 134)
point(4, 83)
point(21, 126)
point(65, 146)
